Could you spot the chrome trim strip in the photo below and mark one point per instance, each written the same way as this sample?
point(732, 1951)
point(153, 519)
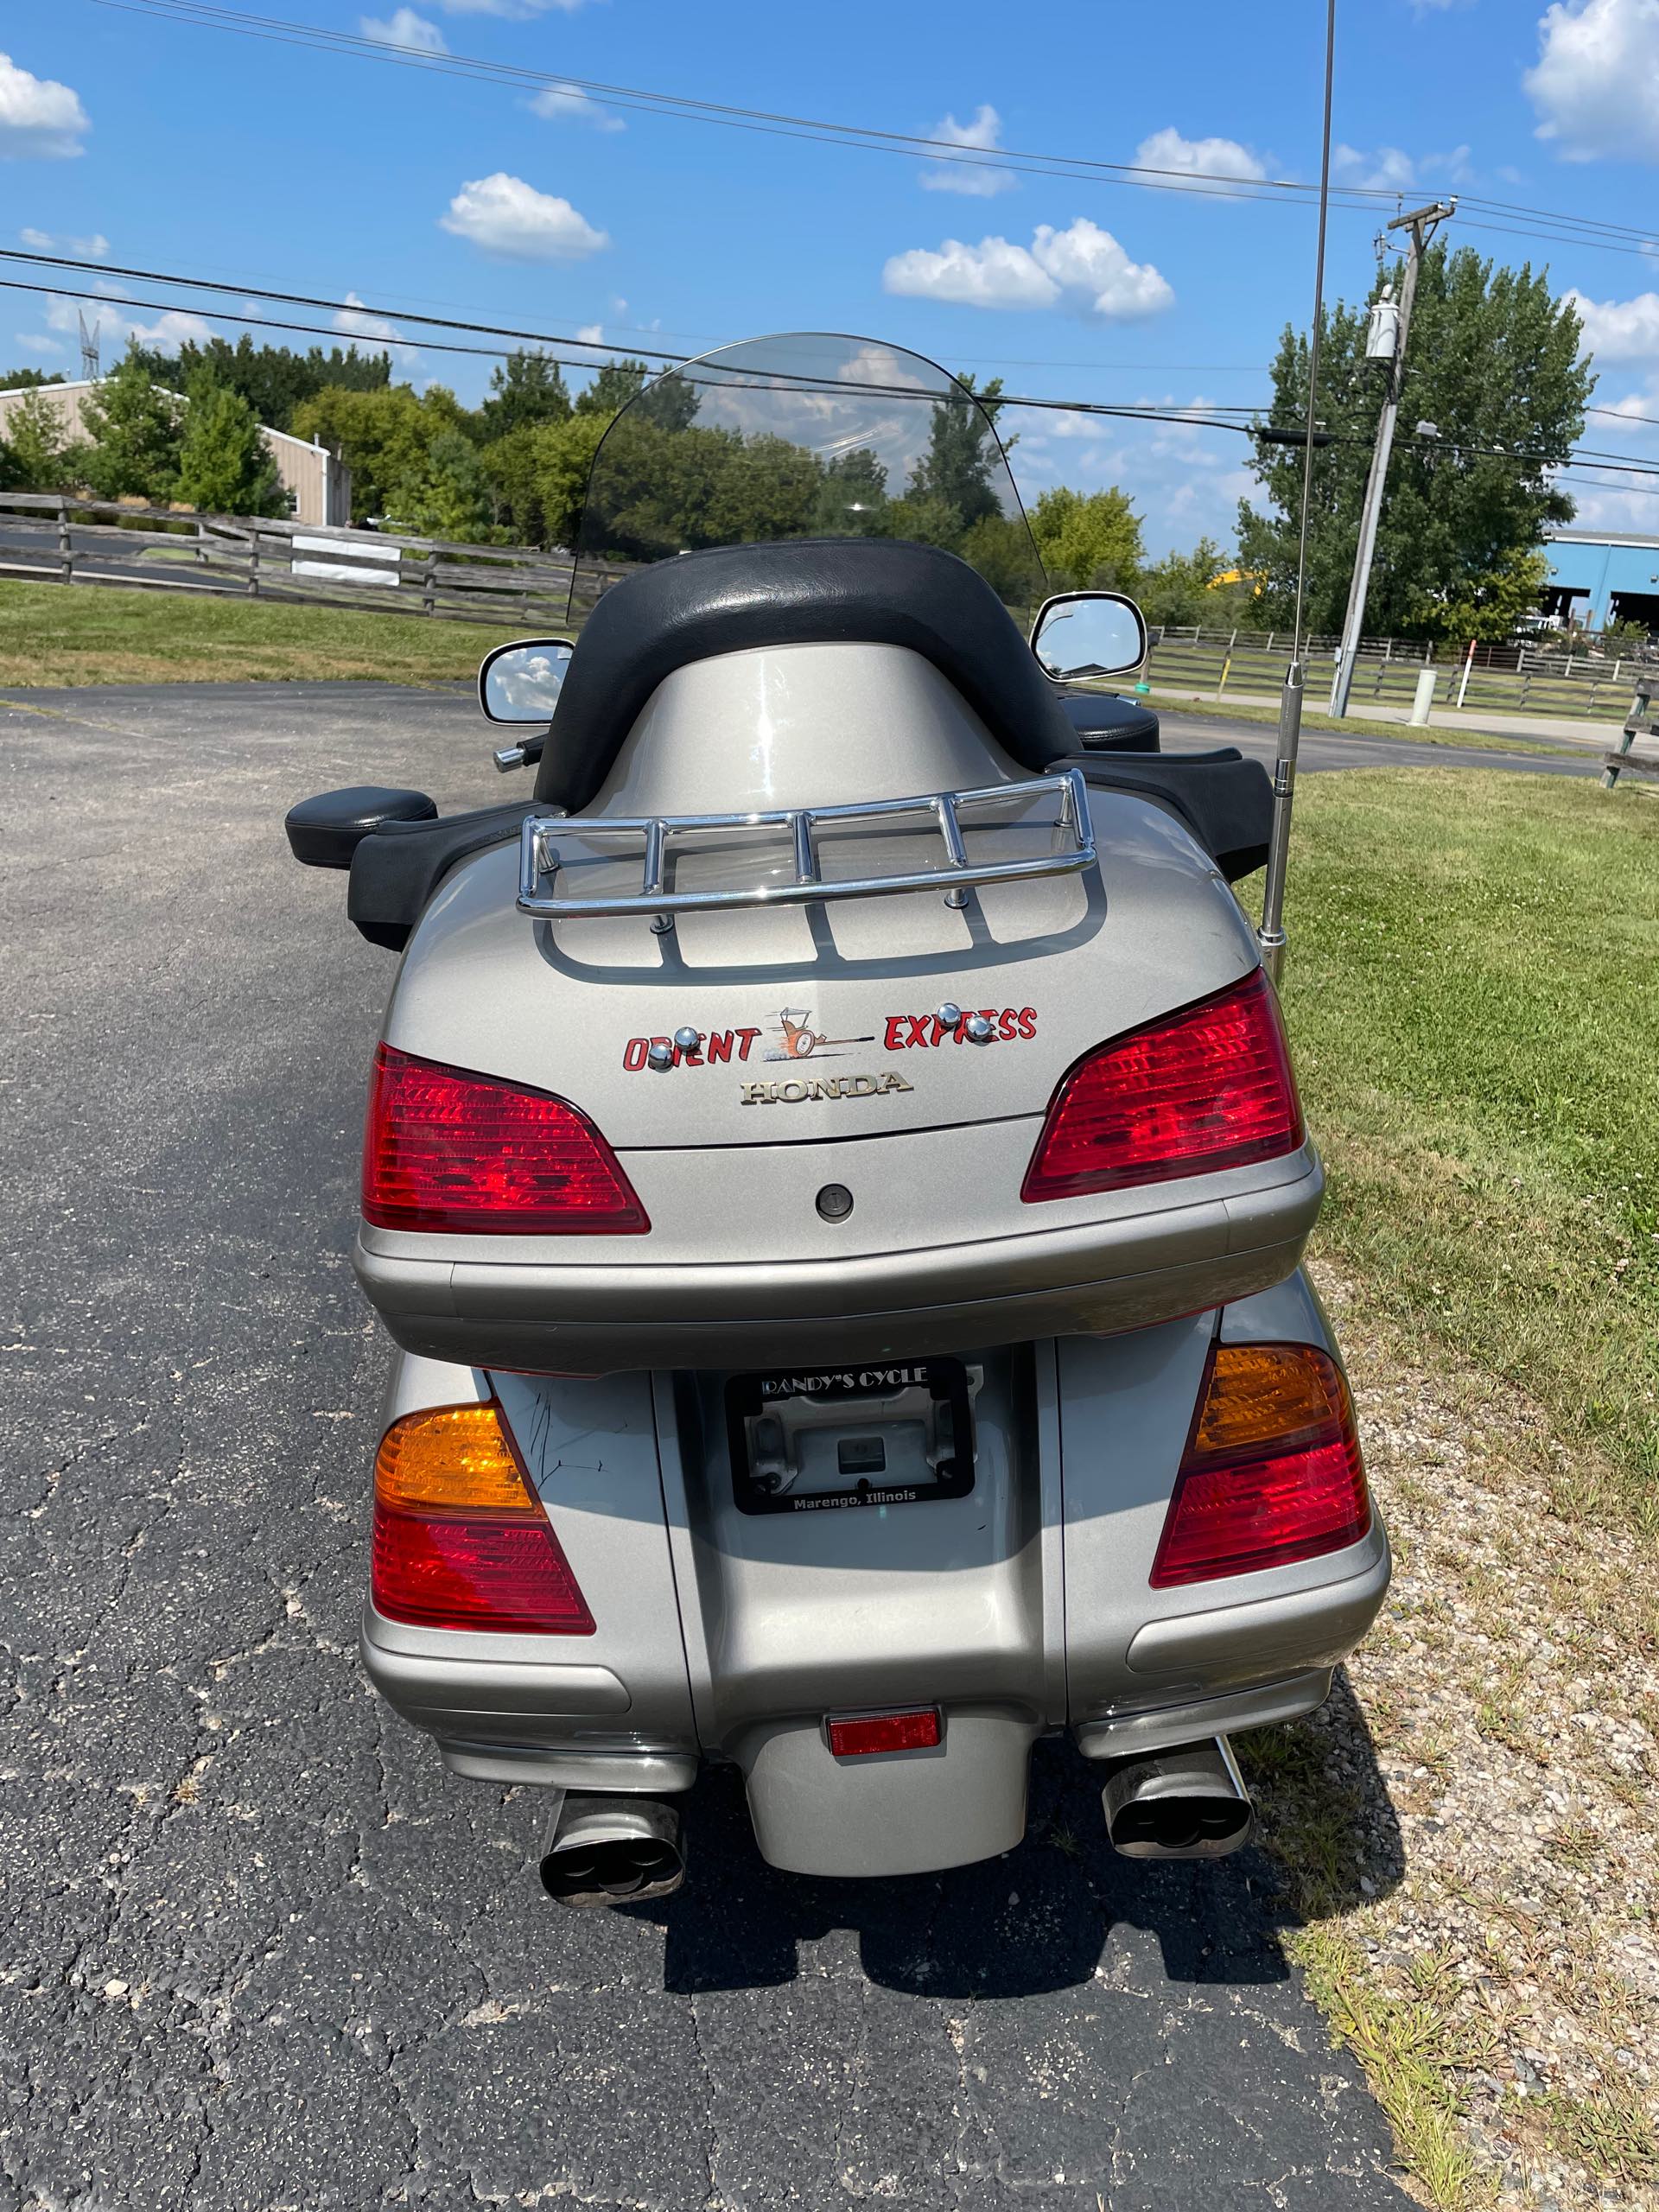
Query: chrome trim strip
point(539, 862)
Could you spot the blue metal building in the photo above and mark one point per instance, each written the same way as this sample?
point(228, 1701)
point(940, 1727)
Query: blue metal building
point(1601, 576)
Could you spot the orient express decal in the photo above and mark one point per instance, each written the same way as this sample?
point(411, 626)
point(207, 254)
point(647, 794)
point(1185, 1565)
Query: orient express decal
point(798, 1040)
point(791, 1037)
point(903, 1031)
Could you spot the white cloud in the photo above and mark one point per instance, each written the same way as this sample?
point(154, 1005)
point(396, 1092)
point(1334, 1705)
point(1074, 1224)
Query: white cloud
point(95, 248)
point(1596, 81)
point(355, 320)
point(38, 116)
point(405, 28)
point(1168, 149)
point(569, 104)
point(982, 136)
point(166, 334)
point(116, 326)
point(1083, 268)
point(1386, 168)
point(591, 333)
point(503, 215)
point(36, 341)
point(515, 11)
point(1619, 330)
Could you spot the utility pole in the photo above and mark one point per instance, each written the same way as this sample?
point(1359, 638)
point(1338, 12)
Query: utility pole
point(1422, 223)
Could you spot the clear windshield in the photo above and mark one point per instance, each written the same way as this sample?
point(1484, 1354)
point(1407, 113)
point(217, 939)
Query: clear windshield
point(808, 436)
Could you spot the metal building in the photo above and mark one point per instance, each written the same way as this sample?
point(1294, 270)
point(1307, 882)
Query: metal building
point(1601, 576)
point(318, 483)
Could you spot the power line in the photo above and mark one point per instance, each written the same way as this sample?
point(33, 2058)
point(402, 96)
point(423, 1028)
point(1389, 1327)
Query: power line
point(200, 14)
point(547, 340)
point(1563, 227)
point(1210, 417)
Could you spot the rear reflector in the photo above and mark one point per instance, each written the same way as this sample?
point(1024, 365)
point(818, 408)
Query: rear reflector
point(885, 1732)
point(448, 1150)
point(1206, 1088)
point(460, 1541)
point(1273, 1472)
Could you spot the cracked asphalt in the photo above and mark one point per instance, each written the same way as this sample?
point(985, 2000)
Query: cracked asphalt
point(258, 1951)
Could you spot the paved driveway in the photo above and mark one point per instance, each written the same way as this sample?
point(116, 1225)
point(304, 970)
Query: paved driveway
point(258, 1951)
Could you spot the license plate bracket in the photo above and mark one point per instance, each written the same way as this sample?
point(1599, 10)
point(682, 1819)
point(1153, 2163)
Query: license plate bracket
point(829, 1439)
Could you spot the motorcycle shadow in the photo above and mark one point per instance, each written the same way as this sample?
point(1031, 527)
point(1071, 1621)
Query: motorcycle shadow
point(1061, 1909)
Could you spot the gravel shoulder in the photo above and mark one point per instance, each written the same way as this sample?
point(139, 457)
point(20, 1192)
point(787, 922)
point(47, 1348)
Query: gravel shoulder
point(1490, 1949)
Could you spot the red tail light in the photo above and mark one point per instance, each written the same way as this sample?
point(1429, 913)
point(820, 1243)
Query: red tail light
point(1206, 1088)
point(447, 1150)
point(459, 1540)
point(1273, 1472)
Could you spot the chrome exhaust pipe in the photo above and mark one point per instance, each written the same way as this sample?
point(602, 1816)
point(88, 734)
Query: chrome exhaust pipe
point(612, 1850)
point(1189, 1802)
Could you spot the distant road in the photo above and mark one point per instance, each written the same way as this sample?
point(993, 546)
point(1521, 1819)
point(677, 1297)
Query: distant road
point(1185, 732)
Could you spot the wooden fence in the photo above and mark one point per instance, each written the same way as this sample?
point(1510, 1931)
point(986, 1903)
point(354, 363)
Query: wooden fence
point(1248, 663)
point(61, 540)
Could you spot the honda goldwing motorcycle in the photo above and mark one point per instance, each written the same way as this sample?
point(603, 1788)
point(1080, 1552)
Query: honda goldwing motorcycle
point(835, 1182)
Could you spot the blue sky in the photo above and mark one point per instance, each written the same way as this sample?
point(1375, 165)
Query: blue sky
point(182, 148)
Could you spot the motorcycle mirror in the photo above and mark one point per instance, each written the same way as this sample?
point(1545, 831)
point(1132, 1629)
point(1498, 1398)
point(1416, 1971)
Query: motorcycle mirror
point(1079, 633)
point(521, 683)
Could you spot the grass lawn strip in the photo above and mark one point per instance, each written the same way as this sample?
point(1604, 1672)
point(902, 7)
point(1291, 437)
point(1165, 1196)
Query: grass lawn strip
point(1472, 992)
point(52, 635)
point(1468, 1830)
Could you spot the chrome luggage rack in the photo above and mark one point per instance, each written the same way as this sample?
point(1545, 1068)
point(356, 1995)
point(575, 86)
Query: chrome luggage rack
point(539, 862)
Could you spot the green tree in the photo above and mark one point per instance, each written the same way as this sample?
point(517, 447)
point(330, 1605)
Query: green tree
point(613, 385)
point(133, 426)
point(1493, 364)
point(513, 471)
point(526, 389)
point(449, 494)
point(383, 436)
point(563, 458)
point(1490, 607)
point(225, 465)
point(273, 379)
point(37, 453)
point(964, 463)
point(1179, 591)
point(25, 379)
point(1089, 541)
point(852, 499)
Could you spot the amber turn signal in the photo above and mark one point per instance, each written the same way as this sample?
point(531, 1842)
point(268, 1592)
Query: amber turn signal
point(460, 1540)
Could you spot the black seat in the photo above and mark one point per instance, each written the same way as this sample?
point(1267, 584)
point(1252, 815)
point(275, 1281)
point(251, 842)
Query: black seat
point(809, 591)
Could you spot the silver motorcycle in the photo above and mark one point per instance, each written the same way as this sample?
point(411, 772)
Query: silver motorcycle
point(835, 1179)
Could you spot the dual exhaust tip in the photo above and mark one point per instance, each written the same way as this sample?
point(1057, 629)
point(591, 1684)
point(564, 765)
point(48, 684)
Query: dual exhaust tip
point(614, 1851)
point(1187, 1802)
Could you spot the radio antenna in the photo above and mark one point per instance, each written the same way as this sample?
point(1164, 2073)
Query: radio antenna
point(1272, 932)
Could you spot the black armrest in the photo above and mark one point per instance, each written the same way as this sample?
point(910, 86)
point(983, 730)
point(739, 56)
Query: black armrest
point(395, 870)
point(1105, 722)
point(325, 831)
point(1224, 800)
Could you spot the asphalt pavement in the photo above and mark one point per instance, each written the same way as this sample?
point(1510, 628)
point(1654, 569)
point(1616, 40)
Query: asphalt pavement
point(260, 1952)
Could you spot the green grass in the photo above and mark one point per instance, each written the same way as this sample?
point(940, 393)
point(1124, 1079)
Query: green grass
point(56, 634)
point(1472, 988)
point(1480, 740)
